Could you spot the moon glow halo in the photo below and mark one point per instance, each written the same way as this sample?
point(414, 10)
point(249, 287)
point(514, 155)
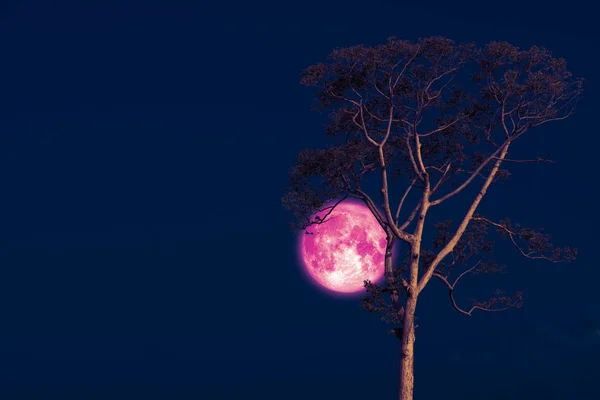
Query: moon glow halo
point(346, 249)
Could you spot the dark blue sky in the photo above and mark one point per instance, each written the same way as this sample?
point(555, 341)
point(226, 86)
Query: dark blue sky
point(144, 252)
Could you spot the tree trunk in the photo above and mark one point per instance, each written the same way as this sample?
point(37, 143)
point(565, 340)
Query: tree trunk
point(407, 356)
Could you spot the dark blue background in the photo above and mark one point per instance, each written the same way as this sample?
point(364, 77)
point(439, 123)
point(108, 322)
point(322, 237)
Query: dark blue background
point(144, 252)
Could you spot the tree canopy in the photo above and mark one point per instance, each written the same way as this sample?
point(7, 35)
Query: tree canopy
point(439, 117)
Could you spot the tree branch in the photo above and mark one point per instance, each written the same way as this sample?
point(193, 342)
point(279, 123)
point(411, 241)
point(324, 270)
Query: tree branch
point(319, 220)
point(412, 159)
point(400, 234)
point(483, 306)
point(493, 156)
point(465, 222)
point(412, 216)
point(536, 240)
point(384, 190)
point(538, 159)
point(441, 128)
point(406, 66)
point(412, 183)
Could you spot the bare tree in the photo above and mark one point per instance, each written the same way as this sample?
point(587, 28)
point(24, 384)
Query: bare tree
point(434, 119)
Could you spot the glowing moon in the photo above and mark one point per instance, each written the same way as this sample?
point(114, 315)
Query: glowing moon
point(344, 250)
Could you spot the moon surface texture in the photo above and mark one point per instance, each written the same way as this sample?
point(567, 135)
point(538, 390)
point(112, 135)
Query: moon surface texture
point(346, 249)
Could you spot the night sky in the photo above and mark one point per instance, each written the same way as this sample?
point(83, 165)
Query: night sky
point(144, 251)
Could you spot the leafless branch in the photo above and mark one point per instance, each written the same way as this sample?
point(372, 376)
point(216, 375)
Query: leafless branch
point(538, 159)
point(412, 159)
point(464, 223)
point(493, 156)
point(319, 220)
point(412, 183)
point(512, 234)
point(406, 66)
point(411, 217)
point(483, 306)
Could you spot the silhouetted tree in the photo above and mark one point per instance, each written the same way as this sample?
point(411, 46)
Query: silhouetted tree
point(442, 118)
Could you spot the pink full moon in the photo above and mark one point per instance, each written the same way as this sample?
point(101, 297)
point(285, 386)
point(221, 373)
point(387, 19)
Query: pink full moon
point(344, 250)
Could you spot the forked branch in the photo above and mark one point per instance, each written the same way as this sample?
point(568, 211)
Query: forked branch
point(489, 305)
point(538, 242)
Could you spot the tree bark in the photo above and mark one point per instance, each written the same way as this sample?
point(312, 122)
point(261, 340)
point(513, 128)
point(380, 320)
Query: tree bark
point(407, 356)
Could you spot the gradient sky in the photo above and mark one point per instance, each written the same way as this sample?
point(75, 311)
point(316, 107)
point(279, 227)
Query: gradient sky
point(144, 252)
